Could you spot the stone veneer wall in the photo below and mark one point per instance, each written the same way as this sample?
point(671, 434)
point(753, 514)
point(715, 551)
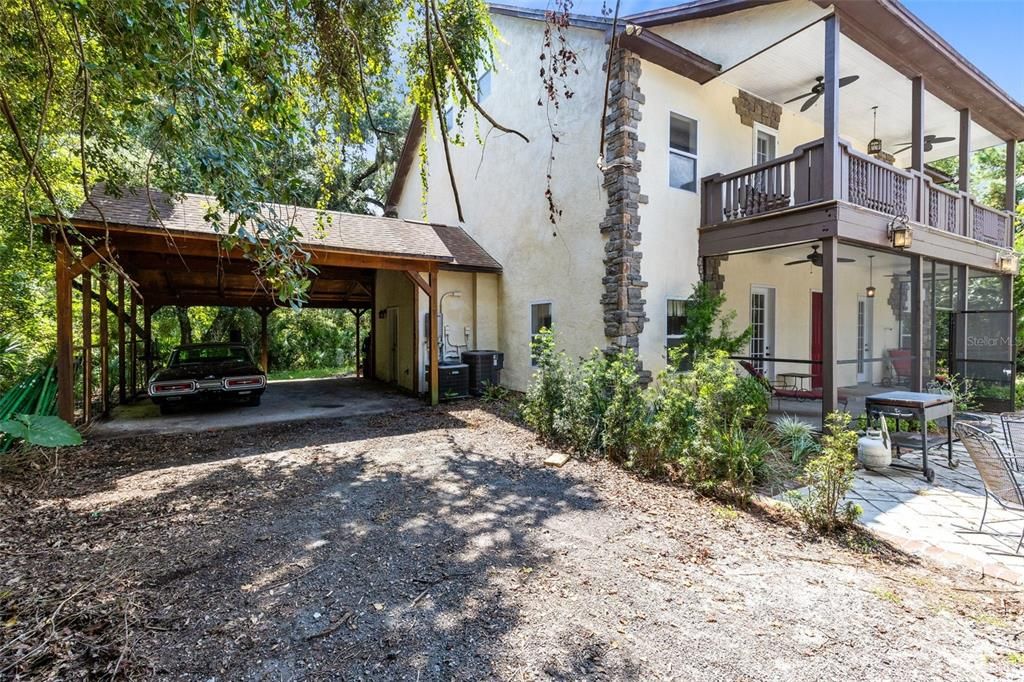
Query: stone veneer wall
point(751, 108)
point(623, 302)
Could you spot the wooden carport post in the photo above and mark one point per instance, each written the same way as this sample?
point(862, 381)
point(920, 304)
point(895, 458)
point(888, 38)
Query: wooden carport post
point(358, 314)
point(121, 390)
point(104, 345)
point(65, 350)
point(86, 346)
point(264, 313)
point(134, 323)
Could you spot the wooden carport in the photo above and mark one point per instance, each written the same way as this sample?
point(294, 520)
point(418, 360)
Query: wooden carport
point(166, 253)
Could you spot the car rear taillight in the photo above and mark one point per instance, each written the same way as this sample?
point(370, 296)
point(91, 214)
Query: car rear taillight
point(240, 383)
point(171, 387)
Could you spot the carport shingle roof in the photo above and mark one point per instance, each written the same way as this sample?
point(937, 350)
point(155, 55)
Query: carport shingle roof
point(324, 229)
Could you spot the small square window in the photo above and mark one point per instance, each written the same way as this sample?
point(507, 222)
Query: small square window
point(765, 150)
point(449, 118)
point(676, 317)
point(682, 168)
point(483, 86)
point(540, 318)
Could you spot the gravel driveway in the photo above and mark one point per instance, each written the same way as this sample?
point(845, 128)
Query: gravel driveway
point(434, 545)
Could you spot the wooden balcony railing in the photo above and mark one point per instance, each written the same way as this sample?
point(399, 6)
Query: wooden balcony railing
point(797, 179)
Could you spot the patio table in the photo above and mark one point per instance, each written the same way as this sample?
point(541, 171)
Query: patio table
point(799, 379)
point(924, 406)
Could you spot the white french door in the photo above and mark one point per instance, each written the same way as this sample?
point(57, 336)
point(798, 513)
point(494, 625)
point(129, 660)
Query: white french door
point(865, 339)
point(762, 326)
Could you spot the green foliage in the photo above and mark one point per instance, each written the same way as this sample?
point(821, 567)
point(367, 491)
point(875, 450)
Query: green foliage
point(580, 422)
point(546, 393)
point(623, 416)
point(729, 439)
point(829, 477)
point(493, 393)
point(707, 329)
point(251, 102)
point(43, 430)
point(797, 436)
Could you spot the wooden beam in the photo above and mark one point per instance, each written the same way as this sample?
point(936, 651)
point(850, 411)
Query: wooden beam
point(121, 320)
point(917, 124)
point(829, 333)
point(371, 361)
point(1011, 176)
point(87, 293)
point(415, 278)
point(77, 286)
point(104, 344)
point(264, 339)
point(358, 314)
point(964, 158)
point(832, 156)
point(65, 348)
point(134, 352)
point(435, 354)
point(90, 260)
point(147, 342)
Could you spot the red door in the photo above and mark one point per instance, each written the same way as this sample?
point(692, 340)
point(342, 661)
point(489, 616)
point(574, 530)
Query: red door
point(817, 339)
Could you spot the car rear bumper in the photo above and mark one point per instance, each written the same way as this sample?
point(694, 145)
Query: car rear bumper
point(171, 390)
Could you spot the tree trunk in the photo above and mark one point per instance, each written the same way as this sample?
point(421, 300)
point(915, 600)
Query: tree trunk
point(184, 323)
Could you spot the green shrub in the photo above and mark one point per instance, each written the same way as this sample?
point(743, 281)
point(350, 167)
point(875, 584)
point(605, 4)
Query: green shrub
point(546, 393)
point(626, 408)
point(728, 440)
point(829, 477)
point(580, 421)
point(707, 328)
point(493, 393)
point(797, 436)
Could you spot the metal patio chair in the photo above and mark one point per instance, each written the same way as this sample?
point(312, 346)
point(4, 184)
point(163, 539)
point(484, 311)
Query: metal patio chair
point(1002, 483)
point(1013, 432)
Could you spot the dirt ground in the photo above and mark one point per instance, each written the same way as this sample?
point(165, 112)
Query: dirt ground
point(434, 545)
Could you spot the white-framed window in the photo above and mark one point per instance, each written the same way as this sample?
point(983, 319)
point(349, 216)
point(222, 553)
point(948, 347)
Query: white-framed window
point(766, 144)
point(675, 321)
point(540, 318)
point(682, 152)
point(483, 86)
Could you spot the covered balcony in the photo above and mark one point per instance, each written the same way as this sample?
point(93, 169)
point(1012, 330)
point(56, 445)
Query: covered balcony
point(891, 131)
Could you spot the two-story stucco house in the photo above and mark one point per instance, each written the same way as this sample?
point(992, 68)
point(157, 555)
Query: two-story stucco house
point(779, 151)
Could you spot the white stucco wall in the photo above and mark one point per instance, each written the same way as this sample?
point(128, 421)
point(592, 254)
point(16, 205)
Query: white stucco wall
point(793, 286)
point(502, 185)
point(730, 38)
point(470, 320)
point(669, 222)
point(394, 291)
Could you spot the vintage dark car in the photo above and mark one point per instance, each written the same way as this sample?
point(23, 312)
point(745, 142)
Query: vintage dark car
point(207, 372)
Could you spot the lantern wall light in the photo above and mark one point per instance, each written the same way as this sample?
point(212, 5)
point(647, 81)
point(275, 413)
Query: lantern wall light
point(899, 232)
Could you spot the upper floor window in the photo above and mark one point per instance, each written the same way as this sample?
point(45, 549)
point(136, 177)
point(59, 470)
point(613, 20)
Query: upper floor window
point(765, 143)
point(449, 118)
point(483, 86)
point(540, 318)
point(682, 153)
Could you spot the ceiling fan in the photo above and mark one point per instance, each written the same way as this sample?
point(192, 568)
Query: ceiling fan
point(815, 258)
point(929, 142)
point(818, 89)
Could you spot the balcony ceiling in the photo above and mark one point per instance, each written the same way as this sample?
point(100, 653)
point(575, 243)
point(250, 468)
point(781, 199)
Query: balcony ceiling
point(789, 69)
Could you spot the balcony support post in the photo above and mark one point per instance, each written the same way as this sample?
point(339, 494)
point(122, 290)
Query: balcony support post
point(916, 323)
point(832, 172)
point(965, 151)
point(1011, 176)
point(920, 209)
point(829, 335)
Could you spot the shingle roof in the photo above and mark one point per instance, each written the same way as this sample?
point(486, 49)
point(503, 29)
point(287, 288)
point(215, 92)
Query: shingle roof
point(318, 229)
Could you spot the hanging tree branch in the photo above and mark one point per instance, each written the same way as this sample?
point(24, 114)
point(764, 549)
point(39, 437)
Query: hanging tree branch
point(439, 107)
point(462, 81)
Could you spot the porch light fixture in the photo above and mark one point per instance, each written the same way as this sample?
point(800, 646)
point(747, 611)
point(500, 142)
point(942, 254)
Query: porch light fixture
point(870, 291)
point(1008, 262)
point(875, 145)
point(899, 233)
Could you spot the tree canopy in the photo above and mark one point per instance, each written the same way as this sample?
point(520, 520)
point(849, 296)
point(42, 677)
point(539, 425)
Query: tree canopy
point(251, 101)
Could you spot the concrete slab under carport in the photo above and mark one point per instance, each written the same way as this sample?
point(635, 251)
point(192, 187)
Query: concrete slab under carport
point(283, 401)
